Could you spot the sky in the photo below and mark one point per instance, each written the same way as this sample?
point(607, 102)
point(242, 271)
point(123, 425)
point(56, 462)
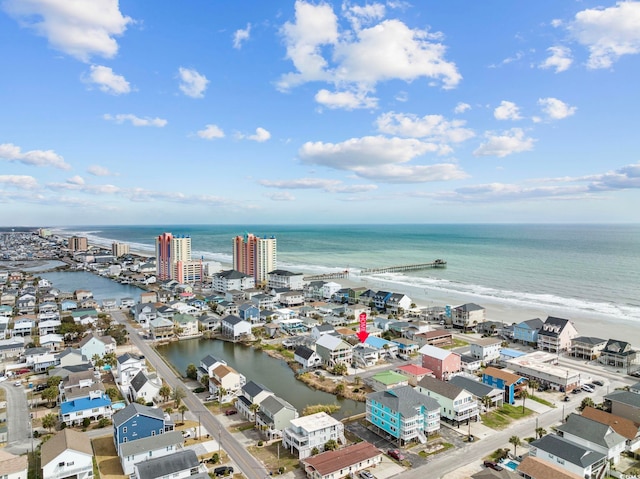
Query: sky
point(286, 112)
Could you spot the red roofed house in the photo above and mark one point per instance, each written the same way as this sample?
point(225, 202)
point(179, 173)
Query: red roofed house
point(343, 462)
point(414, 371)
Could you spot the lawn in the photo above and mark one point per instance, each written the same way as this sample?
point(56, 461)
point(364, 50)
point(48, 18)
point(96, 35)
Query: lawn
point(108, 462)
point(274, 456)
point(457, 343)
point(501, 418)
point(541, 401)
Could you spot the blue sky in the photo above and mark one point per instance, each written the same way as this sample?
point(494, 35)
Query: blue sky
point(165, 112)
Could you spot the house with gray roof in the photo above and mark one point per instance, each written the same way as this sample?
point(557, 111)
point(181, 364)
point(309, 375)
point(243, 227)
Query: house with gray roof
point(480, 391)
point(625, 404)
point(145, 386)
point(333, 350)
point(252, 393)
point(134, 452)
point(457, 404)
point(568, 455)
point(467, 316)
point(274, 415)
point(307, 357)
point(136, 422)
point(618, 354)
point(395, 412)
point(593, 435)
point(556, 335)
point(587, 347)
point(179, 465)
point(234, 327)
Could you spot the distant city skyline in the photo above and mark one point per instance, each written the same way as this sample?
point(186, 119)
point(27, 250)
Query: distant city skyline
point(318, 112)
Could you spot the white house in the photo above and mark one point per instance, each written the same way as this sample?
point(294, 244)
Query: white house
point(133, 452)
point(127, 367)
point(329, 289)
point(281, 278)
point(486, 349)
point(304, 434)
point(145, 386)
point(186, 326)
point(398, 302)
point(68, 454)
point(593, 435)
point(226, 382)
point(232, 279)
point(208, 364)
point(307, 357)
point(234, 327)
point(13, 467)
point(572, 457)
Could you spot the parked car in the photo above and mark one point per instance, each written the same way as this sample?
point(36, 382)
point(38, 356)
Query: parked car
point(223, 471)
point(397, 455)
point(493, 465)
point(566, 399)
point(366, 475)
point(576, 391)
point(230, 412)
point(598, 383)
point(41, 387)
point(210, 398)
point(587, 388)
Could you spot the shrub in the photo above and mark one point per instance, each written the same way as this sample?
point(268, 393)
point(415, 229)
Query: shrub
point(85, 422)
point(260, 443)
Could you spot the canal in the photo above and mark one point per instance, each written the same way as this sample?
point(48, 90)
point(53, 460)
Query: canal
point(102, 288)
point(259, 367)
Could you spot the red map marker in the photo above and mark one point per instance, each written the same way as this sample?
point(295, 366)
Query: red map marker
point(362, 334)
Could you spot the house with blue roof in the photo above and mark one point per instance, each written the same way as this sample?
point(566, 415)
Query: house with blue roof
point(386, 348)
point(94, 406)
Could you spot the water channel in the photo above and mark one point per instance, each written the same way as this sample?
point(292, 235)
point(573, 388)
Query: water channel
point(102, 288)
point(259, 367)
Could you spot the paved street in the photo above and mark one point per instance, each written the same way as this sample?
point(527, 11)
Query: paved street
point(244, 461)
point(18, 422)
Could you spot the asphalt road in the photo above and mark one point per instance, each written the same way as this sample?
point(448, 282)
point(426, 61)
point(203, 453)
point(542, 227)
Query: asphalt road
point(252, 468)
point(18, 421)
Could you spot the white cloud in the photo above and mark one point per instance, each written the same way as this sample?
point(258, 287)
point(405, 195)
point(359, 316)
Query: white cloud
point(432, 127)
point(192, 83)
point(281, 196)
point(240, 36)
point(210, 132)
point(559, 58)
point(81, 29)
point(461, 107)
point(330, 186)
point(507, 143)
point(135, 120)
point(19, 181)
point(76, 180)
point(507, 111)
point(108, 81)
point(97, 170)
point(261, 135)
point(11, 152)
point(413, 174)
point(347, 100)
point(556, 109)
point(357, 59)
point(608, 33)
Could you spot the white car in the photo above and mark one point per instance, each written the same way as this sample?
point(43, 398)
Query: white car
point(587, 389)
point(17, 384)
point(3, 378)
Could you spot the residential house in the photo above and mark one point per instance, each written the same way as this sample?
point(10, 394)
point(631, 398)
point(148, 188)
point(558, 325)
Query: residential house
point(456, 404)
point(145, 386)
point(307, 357)
point(333, 350)
point(386, 349)
point(413, 372)
point(398, 303)
point(406, 347)
point(68, 454)
point(26, 304)
point(186, 326)
point(274, 415)
point(127, 367)
point(467, 316)
point(263, 301)
point(313, 290)
point(322, 329)
point(443, 363)
point(232, 279)
point(380, 299)
point(280, 278)
point(249, 312)
point(226, 382)
point(329, 289)
point(618, 354)
point(438, 337)
point(470, 364)
point(250, 397)
point(12, 466)
point(85, 315)
point(625, 404)
point(404, 414)
point(71, 357)
point(235, 328)
point(39, 359)
point(161, 328)
point(556, 335)
point(342, 462)
point(23, 326)
point(526, 332)
point(364, 356)
point(623, 426)
point(152, 447)
point(572, 457)
point(485, 396)
point(291, 298)
point(534, 468)
point(587, 347)
point(136, 421)
point(386, 380)
point(92, 345)
point(593, 435)
point(148, 297)
point(181, 464)
point(50, 326)
point(511, 384)
point(306, 435)
point(95, 406)
point(209, 322)
point(486, 350)
point(11, 348)
point(208, 364)
point(144, 313)
point(68, 305)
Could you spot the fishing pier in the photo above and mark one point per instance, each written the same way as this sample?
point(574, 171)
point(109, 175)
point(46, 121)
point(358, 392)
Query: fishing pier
point(322, 277)
point(439, 263)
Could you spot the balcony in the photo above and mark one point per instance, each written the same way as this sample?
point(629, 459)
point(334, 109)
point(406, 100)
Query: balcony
point(62, 472)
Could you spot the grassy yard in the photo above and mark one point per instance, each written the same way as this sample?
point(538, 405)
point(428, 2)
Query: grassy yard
point(501, 418)
point(107, 458)
point(269, 455)
point(541, 401)
point(457, 343)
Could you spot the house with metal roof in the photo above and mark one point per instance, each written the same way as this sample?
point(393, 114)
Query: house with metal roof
point(511, 384)
point(179, 465)
point(467, 316)
point(623, 426)
point(251, 394)
point(140, 450)
point(526, 332)
point(484, 395)
point(569, 456)
point(594, 435)
point(274, 415)
point(556, 334)
point(625, 404)
point(342, 462)
point(333, 350)
point(457, 404)
point(442, 362)
point(94, 406)
point(309, 433)
point(386, 380)
point(137, 422)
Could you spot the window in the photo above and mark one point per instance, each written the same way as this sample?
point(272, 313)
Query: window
point(153, 433)
point(124, 430)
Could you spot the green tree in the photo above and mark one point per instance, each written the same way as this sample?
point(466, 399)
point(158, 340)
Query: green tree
point(97, 361)
point(340, 369)
point(315, 451)
point(141, 400)
point(524, 395)
point(178, 395)
point(533, 384)
point(182, 410)
point(111, 359)
point(169, 411)
point(204, 380)
point(339, 390)
point(192, 371)
point(254, 408)
point(49, 421)
point(164, 392)
point(54, 381)
point(540, 431)
point(331, 445)
point(113, 393)
point(103, 422)
point(357, 380)
point(215, 458)
point(50, 394)
point(118, 332)
point(586, 402)
point(515, 442)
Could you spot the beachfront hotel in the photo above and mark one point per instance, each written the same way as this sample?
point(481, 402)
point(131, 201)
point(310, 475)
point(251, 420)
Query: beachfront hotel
point(255, 256)
point(173, 259)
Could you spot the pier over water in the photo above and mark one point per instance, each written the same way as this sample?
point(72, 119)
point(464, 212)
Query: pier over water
point(439, 263)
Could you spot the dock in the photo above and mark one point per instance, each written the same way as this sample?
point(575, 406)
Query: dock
point(439, 263)
point(322, 277)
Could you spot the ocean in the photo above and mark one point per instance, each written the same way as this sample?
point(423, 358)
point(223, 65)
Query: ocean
point(573, 269)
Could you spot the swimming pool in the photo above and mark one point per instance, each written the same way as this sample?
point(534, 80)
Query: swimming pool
point(118, 405)
point(510, 465)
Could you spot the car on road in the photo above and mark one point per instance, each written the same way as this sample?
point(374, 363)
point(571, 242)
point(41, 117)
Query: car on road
point(492, 465)
point(17, 384)
point(598, 383)
point(366, 475)
point(397, 455)
point(3, 378)
point(230, 412)
point(223, 471)
point(566, 399)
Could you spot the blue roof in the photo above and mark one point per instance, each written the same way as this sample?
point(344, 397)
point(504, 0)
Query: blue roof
point(379, 343)
point(84, 403)
point(512, 353)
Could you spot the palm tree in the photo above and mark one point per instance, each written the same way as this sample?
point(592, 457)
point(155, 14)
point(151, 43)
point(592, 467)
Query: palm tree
point(515, 440)
point(165, 392)
point(254, 408)
point(524, 395)
point(540, 431)
point(50, 421)
point(178, 395)
point(169, 411)
point(182, 409)
point(586, 402)
point(533, 384)
point(204, 380)
point(111, 359)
